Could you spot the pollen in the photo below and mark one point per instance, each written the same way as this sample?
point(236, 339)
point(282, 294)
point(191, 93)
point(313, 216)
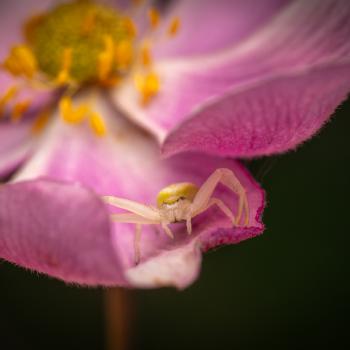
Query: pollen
point(154, 17)
point(21, 62)
point(148, 86)
point(174, 26)
point(130, 27)
point(105, 59)
point(97, 124)
point(9, 95)
point(65, 106)
point(41, 121)
point(123, 54)
point(146, 56)
point(63, 76)
point(90, 32)
point(70, 114)
point(78, 114)
point(20, 109)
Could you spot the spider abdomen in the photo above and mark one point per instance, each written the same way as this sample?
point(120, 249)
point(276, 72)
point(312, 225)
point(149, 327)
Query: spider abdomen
point(173, 193)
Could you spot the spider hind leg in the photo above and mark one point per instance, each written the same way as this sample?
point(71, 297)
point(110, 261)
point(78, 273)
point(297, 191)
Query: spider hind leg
point(227, 177)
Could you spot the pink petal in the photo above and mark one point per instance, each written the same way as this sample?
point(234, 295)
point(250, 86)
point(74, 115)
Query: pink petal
point(58, 229)
point(167, 268)
point(208, 25)
point(264, 95)
point(126, 164)
point(15, 145)
point(266, 118)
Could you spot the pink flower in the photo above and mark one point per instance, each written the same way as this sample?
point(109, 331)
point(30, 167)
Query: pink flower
point(202, 80)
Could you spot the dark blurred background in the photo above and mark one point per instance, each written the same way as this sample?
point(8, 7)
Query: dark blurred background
point(287, 289)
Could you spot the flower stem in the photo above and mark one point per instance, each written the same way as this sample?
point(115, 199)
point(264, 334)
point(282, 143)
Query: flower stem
point(119, 317)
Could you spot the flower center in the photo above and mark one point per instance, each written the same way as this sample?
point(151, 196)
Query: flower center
point(82, 42)
point(77, 44)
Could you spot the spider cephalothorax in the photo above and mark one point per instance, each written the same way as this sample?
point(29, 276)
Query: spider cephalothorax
point(181, 202)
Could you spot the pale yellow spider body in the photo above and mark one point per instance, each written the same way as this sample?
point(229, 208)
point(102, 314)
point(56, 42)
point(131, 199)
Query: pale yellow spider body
point(181, 202)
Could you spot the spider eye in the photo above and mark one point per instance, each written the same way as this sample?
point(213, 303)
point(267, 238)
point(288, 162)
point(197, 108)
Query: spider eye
point(172, 193)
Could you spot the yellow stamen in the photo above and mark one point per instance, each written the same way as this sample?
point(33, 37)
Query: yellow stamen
point(10, 94)
point(41, 121)
point(74, 41)
point(174, 26)
point(21, 61)
point(80, 113)
point(130, 27)
point(20, 109)
point(77, 115)
point(65, 106)
point(123, 54)
point(154, 17)
point(105, 59)
point(70, 114)
point(148, 85)
point(63, 76)
point(97, 124)
point(146, 56)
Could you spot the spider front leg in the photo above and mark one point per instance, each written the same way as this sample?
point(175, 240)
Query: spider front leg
point(131, 218)
point(132, 206)
point(226, 176)
point(139, 210)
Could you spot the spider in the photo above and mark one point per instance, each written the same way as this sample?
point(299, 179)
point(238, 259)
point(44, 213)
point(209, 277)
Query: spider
point(181, 202)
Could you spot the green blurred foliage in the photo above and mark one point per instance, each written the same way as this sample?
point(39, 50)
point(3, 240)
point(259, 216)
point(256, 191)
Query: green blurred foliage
point(286, 289)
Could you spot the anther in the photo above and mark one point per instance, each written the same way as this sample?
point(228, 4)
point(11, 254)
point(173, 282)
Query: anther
point(123, 54)
point(154, 17)
point(146, 56)
point(130, 27)
point(174, 26)
point(63, 76)
point(97, 124)
point(105, 59)
point(65, 106)
point(21, 62)
point(10, 94)
point(79, 113)
point(148, 85)
point(41, 121)
point(20, 109)
point(70, 114)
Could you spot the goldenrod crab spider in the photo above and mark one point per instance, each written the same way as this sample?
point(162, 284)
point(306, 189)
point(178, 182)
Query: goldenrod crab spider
point(181, 202)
